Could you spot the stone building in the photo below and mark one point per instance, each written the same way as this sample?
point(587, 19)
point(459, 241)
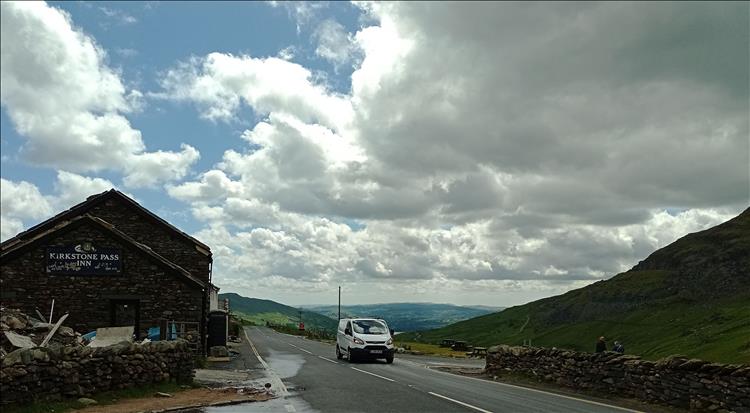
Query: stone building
point(108, 262)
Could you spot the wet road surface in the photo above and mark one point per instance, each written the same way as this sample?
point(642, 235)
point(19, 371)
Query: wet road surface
point(308, 378)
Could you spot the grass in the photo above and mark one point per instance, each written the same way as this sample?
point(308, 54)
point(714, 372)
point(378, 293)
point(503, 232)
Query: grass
point(717, 332)
point(104, 398)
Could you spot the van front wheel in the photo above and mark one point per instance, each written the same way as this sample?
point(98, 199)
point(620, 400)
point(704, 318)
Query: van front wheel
point(349, 355)
point(389, 359)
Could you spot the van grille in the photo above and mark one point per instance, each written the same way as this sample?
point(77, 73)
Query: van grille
point(384, 348)
point(375, 342)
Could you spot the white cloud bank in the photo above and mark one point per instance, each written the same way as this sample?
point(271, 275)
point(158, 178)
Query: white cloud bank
point(60, 94)
point(480, 147)
point(492, 153)
point(21, 201)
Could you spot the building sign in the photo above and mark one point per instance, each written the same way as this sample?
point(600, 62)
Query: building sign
point(83, 259)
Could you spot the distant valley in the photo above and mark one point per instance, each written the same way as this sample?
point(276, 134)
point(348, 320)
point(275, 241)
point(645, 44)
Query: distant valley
point(400, 316)
point(408, 316)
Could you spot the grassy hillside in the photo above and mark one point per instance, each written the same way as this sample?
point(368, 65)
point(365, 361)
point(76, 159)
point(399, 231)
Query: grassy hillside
point(691, 297)
point(407, 316)
point(260, 311)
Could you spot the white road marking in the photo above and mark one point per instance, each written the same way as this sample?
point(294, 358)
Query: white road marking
point(300, 348)
point(373, 374)
point(275, 380)
point(459, 402)
point(625, 409)
point(327, 359)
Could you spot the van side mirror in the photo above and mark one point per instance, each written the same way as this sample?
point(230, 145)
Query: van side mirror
point(391, 330)
point(348, 332)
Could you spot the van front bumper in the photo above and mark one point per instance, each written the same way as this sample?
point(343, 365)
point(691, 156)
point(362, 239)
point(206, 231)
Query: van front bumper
point(373, 352)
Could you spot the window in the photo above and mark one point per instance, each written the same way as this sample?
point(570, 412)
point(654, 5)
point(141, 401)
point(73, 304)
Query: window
point(370, 327)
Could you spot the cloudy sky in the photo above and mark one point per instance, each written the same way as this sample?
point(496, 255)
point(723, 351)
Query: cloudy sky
point(482, 153)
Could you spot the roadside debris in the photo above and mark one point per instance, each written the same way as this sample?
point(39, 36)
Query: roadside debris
point(20, 330)
point(112, 335)
point(87, 402)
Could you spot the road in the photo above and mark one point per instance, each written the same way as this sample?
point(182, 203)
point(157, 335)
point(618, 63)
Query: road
point(309, 378)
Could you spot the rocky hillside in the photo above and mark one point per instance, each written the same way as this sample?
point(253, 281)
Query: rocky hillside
point(690, 297)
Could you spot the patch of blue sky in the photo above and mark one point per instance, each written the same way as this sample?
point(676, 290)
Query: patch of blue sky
point(143, 40)
point(354, 224)
point(674, 211)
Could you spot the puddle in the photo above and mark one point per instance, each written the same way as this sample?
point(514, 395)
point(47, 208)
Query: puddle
point(282, 405)
point(285, 365)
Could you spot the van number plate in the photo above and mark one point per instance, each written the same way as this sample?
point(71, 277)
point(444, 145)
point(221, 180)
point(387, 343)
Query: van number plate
point(376, 351)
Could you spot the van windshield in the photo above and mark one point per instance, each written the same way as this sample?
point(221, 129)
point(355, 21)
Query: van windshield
point(369, 327)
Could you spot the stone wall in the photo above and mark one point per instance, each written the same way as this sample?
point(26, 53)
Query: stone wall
point(162, 294)
point(675, 380)
point(53, 374)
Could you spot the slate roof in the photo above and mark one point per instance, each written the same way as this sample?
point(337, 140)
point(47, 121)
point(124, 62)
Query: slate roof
point(40, 234)
point(85, 206)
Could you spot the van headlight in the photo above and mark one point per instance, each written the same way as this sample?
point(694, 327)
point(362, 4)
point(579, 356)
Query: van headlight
point(358, 341)
point(389, 342)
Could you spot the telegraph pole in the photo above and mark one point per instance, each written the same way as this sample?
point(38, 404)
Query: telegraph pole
point(339, 303)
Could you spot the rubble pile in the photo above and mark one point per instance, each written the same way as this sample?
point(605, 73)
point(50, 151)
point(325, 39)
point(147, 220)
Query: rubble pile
point(17, 323)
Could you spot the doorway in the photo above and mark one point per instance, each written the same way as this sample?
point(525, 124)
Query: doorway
point(126, 313)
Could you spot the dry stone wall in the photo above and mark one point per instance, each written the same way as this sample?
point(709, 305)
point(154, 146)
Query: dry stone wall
point(677, 381)
point(53, 374)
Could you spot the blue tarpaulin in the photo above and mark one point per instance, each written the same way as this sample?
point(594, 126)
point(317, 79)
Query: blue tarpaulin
point(155, 332)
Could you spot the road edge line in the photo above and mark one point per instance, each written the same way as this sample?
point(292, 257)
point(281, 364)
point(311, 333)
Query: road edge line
point(274, 377)
point(373, 374)
point(327, 359)
point(459, 402)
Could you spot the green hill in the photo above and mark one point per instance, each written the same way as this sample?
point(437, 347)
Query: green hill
point(407, 316)
point(691, 297)
point(260, 311)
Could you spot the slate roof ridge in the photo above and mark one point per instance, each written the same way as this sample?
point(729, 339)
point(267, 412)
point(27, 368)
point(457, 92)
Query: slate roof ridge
point(89, 202)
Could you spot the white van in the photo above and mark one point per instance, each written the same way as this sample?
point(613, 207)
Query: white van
point(358, 338)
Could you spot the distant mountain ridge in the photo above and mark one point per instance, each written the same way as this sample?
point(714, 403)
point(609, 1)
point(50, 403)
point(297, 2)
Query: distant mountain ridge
point(259, 311)
point(690, 297)
point(407, 316)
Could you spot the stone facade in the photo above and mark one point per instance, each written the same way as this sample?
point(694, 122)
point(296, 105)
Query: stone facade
point(154, 285)
point(162, 293)
point(160, 238)
point(52, 374)
point(675, 380)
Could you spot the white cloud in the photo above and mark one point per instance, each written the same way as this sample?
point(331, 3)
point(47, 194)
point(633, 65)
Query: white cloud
point(126, 52)
point(491, 146)
point(73, 188)
point(303, 12)
point(61, 96)
point(118, 16)
point(23, 205)
point(334, 43)
point(220, 83)
point(21, 200)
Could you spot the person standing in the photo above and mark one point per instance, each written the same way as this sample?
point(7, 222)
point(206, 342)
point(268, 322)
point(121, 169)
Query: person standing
point(601, 345)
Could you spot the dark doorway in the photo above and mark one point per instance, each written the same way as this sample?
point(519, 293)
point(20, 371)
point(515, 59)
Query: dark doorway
point(126, 313)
